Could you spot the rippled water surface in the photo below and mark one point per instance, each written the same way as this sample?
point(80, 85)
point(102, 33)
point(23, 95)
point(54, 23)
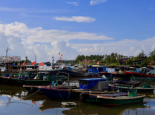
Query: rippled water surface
point(16, 101)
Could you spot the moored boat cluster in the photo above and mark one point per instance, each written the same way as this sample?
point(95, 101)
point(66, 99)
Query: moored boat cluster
point(100, 87)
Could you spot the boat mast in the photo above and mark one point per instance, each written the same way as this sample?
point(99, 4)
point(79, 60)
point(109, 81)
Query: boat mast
point(35, 61)
point(6, 56)
point(35, 56)
point(52, 61)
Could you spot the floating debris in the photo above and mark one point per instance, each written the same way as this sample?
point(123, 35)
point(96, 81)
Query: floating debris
point(69, 104)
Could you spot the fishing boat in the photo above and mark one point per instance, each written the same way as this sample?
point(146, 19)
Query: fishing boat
point(90, 85)
point(142, 74)
point(108, 75)
point(115, 99)
point(120, 98)
point(57, 92)
point(12, 78)
point(23, 80)
point(124, 87)
point(55, 79)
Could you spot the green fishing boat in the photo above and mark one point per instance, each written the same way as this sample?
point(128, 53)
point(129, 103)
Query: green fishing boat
point(31, 78)
point(116, 99)
point(143, 88)
point(54, 80)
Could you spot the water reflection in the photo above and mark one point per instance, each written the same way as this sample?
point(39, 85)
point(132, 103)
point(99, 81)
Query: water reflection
point(16, 101)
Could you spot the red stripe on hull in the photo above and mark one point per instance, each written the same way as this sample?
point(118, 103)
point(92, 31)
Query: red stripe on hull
point(139, 74)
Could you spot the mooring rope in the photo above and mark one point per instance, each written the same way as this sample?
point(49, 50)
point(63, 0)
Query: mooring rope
point(31, 94)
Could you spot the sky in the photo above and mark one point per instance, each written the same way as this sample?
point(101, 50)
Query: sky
point(76, 27)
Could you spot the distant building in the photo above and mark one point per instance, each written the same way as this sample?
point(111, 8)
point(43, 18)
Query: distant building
point(131, 57)
point(10, 59)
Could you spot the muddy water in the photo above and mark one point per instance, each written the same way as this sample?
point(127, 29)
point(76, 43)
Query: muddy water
point(16, 101)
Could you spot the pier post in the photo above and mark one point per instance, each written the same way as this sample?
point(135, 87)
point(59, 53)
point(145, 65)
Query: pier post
point(12, 73)
point(0, 71)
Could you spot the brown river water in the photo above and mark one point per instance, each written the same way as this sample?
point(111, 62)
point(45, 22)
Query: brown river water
point(16, 101)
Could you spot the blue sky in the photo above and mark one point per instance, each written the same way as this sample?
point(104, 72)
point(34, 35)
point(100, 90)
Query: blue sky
point(86, 24)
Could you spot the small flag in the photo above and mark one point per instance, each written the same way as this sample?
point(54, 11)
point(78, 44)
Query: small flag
point(24, 64)
point(41, 64)
point(60, 58)
point(33, 63)
point(151, 63)
point(98, 62)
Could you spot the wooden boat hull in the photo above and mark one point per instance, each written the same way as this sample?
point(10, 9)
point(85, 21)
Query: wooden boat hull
point(122, 76)
point(139, 76)
point(6, 81)
point(57, 93)
point(32, 88)
point(82, 94)
point(115, 101)
point(21, 82)
point(139, 89)
point(73, 73)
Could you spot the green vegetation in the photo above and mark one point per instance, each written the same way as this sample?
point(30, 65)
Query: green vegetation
point(26, 60)
point(114, 59)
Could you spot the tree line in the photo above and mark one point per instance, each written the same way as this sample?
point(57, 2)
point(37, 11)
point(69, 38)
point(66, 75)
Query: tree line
point(114, 59)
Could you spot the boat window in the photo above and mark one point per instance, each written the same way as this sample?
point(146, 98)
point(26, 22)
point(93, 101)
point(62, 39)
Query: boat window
point(81, 82)
point(84, 82)
point(148, 70)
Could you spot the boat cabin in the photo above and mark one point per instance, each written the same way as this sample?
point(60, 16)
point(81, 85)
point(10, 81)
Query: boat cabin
point(93, 70)
point(89, 83)
point(148, 71)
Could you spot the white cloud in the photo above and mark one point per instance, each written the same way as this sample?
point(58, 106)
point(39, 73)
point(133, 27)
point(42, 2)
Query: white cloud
point(93, 2)
point(24, 41)
point(153, 46)
point(73, 3)
point(131, 48)
point(32, 35)
point(137, 52)
point(120, 47)
point(76, 19)
point(30, 10)
point(10, 9)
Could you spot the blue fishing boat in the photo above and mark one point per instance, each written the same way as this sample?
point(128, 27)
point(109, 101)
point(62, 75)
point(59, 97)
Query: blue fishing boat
point(62, 92)
point(90, 85)
point(57, 92)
